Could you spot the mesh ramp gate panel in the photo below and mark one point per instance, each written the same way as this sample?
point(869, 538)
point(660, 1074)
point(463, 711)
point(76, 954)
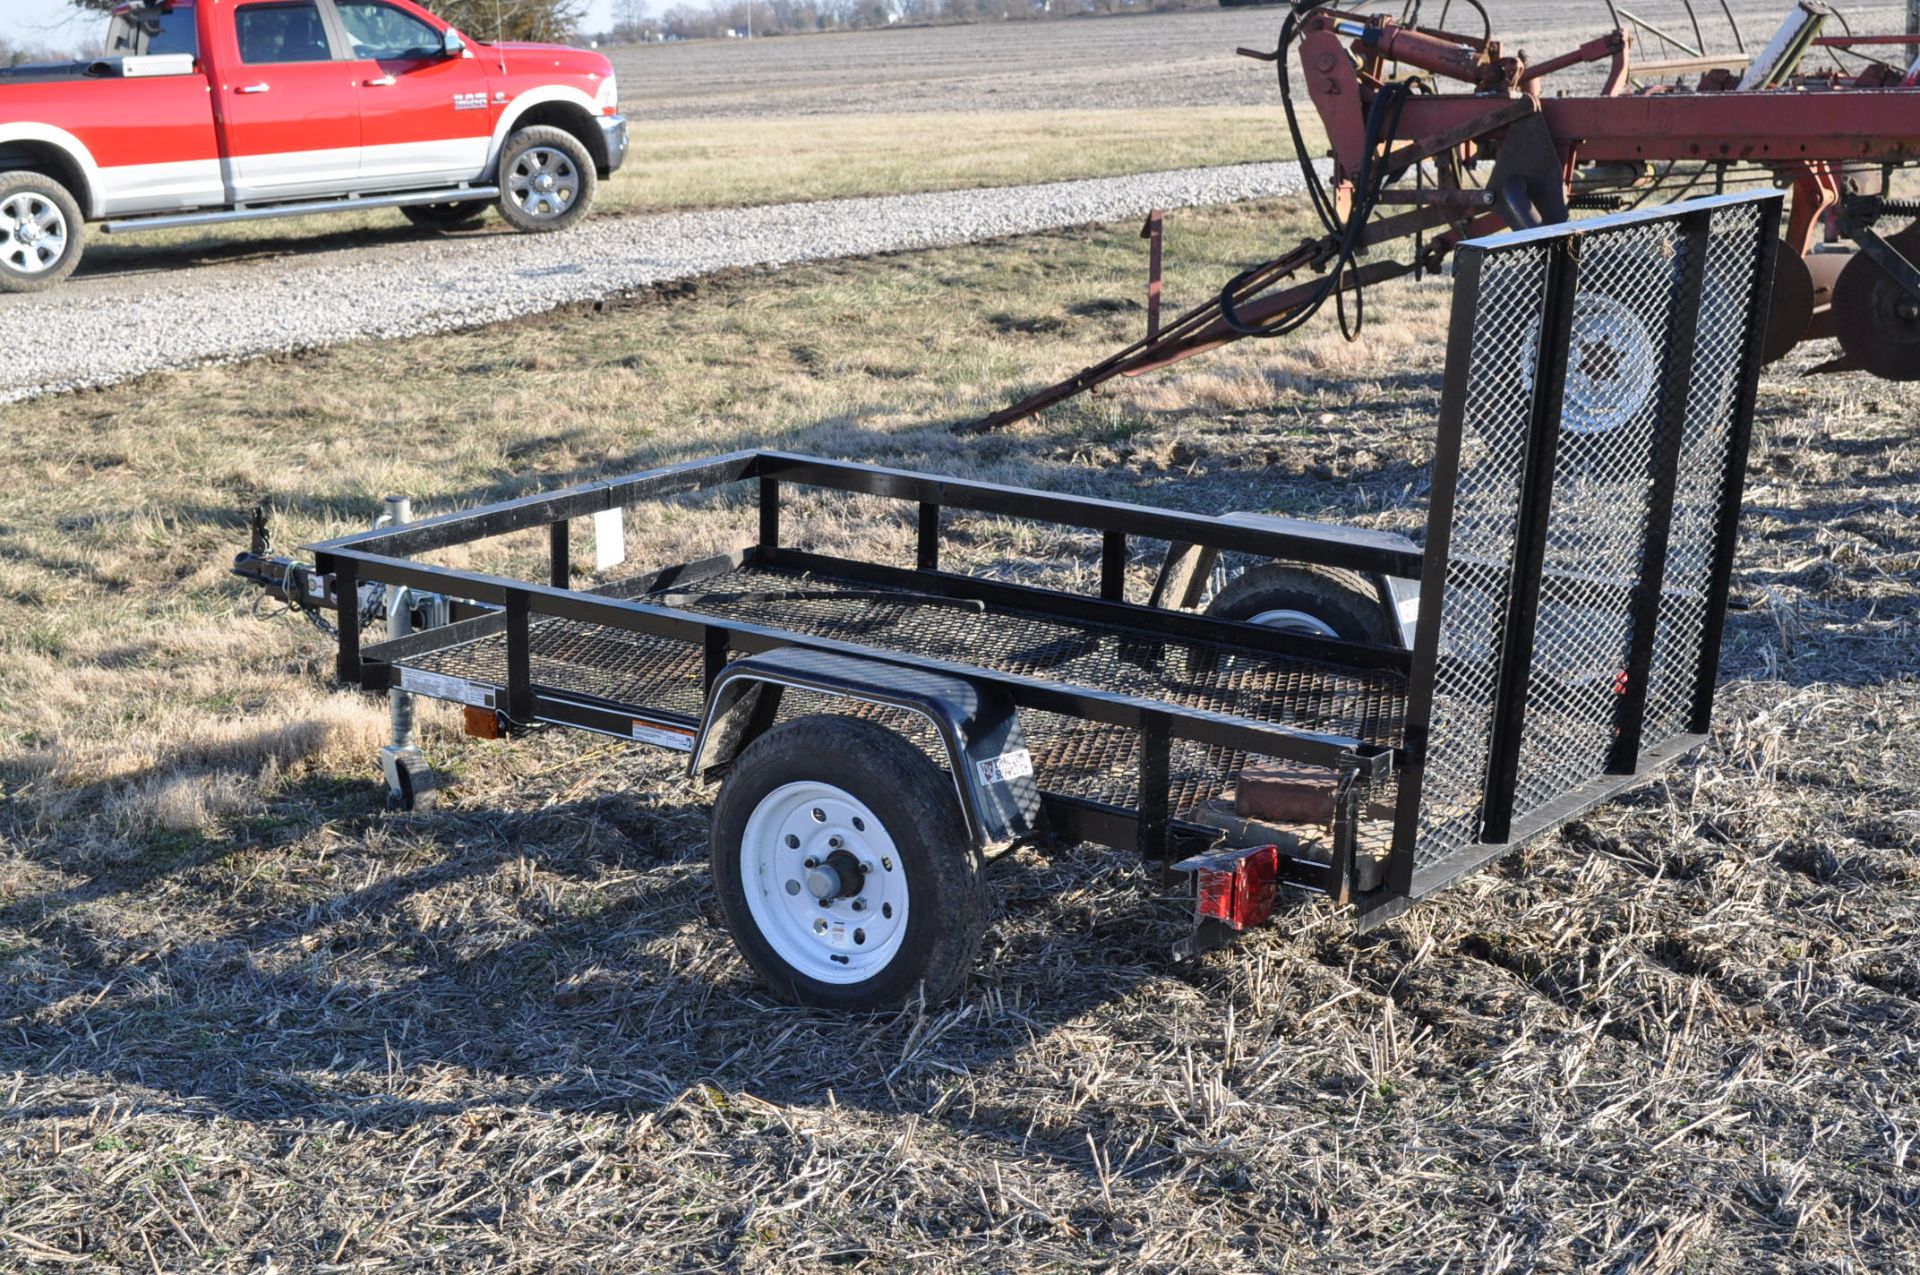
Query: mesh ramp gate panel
point(1592, 445)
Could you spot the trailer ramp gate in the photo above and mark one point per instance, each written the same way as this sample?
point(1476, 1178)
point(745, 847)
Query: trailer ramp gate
point(1586, 492)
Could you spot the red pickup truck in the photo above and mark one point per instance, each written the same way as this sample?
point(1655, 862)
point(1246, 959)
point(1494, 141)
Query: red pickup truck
point(207, 111)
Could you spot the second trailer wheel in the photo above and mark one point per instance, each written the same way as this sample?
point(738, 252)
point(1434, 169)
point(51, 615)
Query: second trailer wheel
point(844, 867)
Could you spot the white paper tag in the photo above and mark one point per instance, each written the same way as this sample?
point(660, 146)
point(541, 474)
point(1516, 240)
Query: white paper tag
point(1008, 766)
point(663, 736)
point(609, 539)
point(443, 686)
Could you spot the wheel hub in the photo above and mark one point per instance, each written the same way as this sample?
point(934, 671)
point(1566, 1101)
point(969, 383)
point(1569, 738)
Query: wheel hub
point(840, 877)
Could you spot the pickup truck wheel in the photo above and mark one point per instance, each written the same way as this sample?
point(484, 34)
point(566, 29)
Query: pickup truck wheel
point(547, 179)
point(844, 867)
point(446, 216)
point(41, 232)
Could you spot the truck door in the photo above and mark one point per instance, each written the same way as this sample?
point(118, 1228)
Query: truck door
point(288, 104)
point(424, 115)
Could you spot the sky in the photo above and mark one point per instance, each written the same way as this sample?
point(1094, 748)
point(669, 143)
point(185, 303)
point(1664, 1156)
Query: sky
point(54, 23)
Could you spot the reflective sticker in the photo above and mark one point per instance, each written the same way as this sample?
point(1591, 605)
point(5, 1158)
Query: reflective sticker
point(317, 585)
point(1007, 767)
point(609, 539)
point(663, 736)
point(442, 686)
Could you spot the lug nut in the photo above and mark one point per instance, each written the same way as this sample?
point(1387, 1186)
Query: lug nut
point(812, 862)
point(835, 842)
point(859, 905)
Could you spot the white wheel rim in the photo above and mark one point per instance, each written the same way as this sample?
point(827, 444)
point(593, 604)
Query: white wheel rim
point(33, 232)
point(855, 933)
point(544, 182)
point(1294, 622)
point(1613, 365)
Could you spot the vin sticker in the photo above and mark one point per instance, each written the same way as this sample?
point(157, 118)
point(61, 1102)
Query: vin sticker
point(663, 736)
point(1007, 767)
point(442, 686)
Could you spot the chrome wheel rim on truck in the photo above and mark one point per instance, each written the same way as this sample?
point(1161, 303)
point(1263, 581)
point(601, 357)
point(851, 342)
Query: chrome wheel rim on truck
point(33, 232)
point(544, 182)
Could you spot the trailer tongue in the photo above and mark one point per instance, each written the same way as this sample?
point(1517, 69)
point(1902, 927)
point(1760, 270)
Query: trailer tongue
point(880, 729)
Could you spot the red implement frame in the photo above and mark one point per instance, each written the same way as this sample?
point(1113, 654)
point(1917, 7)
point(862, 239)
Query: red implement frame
point(1820, 135)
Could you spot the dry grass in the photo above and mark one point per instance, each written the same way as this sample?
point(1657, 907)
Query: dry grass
point(681, 164)
point(252, 1022)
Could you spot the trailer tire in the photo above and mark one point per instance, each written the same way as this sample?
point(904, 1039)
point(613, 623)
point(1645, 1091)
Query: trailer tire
point(450, 216)
point(42, 232)
point(547, 180)
point(1324, 601)
point(853, 892)
point(1299, 598)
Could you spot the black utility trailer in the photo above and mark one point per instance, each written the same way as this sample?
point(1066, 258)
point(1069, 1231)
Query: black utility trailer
point(879, 727)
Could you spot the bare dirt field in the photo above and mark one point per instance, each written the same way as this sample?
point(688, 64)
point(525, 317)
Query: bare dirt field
point(1122, 62)
point(251, 1022)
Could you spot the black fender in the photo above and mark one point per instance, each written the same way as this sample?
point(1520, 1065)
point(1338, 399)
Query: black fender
point(976, 721)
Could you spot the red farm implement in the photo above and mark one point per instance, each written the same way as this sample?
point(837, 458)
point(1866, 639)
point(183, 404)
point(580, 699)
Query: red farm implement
point(1438, 137)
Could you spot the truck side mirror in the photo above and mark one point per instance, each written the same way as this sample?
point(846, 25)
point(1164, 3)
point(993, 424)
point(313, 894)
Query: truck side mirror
point(452, 45)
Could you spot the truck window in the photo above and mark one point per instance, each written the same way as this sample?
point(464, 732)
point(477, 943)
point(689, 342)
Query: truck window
point(383, 32)
point(282, 32)
point(151, 31)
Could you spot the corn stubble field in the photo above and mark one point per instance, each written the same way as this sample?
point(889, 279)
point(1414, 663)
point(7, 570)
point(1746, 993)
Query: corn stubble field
point(251, 1017)
point(250, 1021)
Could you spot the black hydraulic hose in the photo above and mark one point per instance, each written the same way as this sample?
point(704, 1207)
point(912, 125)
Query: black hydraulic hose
point(1486, 22)
point(1383, 120)
point(1289, 34)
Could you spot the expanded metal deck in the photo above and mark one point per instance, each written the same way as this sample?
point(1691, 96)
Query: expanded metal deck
point(1072, 756)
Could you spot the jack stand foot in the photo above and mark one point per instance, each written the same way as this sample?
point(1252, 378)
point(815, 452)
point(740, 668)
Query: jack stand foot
point(411, 783)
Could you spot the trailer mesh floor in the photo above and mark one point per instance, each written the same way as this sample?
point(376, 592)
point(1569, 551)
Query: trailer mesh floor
point(1073, 757)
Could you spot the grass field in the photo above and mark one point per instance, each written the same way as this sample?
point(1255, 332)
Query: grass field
point(252, 1021)
point(679, 164)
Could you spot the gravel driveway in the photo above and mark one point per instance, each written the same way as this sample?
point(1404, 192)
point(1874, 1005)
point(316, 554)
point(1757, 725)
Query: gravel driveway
point(97, 331)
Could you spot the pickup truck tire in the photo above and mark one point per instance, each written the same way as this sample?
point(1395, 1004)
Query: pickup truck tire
point(453, 216)
point(42, 232)
point(547, 179)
